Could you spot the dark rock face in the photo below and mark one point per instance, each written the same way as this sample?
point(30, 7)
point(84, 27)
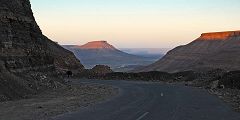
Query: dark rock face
point(22, 45)
point(29, 61)
point(231, 80)
point(210, 51)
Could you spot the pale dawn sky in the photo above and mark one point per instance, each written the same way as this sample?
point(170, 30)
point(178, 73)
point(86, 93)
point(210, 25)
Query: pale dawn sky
point(134, 23)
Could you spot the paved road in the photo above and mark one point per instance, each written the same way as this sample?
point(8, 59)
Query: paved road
point(155, 101)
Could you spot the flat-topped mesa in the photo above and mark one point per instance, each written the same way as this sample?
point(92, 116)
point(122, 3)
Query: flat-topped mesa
point(97, 45)
point(219, 35)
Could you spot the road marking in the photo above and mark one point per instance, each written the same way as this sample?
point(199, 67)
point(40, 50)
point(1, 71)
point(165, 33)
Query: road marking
point(161, 94)
point(142, 116)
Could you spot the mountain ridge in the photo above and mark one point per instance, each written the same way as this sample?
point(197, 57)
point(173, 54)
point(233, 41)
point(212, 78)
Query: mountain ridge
point(218, 50)
point(103, 53)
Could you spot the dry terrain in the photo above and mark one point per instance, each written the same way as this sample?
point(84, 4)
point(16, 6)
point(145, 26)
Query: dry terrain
point(52, 103)
point(230, 96)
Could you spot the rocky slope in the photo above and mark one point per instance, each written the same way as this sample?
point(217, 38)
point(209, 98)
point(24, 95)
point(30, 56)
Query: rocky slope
point(23, 46)
point(210, 51)
point(102, 53)
point(25, 53)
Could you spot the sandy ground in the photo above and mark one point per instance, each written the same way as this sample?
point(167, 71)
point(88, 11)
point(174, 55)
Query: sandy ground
point(52, 103)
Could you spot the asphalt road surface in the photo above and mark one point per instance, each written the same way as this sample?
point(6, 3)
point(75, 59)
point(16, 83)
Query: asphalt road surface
point(155, 101)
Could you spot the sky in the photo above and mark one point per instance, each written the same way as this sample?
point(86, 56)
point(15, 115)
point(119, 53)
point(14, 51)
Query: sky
point(134, 23)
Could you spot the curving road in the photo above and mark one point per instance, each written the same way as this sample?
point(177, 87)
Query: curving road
point(155, 101)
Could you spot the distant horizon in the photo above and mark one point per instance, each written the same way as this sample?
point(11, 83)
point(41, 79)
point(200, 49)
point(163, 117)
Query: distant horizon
point(135, 23)
point(137, 51)
point(120, 47)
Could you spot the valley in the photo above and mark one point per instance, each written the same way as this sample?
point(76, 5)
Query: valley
point(102, 53)
point(41, 79)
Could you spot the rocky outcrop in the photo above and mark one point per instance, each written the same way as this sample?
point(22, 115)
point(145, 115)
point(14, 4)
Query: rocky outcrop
point(101, 69)
point(28, 59)
point(23, 46)
point(219, 50)
point(219, 35)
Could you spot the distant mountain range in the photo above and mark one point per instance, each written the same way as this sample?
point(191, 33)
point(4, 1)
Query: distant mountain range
point(218, 50)
point(146, 52)
point(102, 53)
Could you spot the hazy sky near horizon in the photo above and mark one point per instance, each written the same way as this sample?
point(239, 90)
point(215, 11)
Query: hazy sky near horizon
point(134, 23)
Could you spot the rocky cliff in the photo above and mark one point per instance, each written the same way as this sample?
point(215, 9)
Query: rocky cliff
point(27, 57)
point(23, 46)
point(209, 51)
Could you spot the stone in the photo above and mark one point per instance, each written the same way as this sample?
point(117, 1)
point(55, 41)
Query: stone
point(7, 45)
point(215, 84)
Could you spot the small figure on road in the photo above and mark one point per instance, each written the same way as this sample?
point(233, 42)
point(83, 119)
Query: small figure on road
point(69, 73)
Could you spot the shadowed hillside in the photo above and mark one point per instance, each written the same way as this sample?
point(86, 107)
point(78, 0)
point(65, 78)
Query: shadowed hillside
point(210, 51)
point(28, 59)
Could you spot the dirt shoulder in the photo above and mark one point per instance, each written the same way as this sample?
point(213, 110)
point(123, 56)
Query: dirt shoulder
point(230, 96)
point(59, 101)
